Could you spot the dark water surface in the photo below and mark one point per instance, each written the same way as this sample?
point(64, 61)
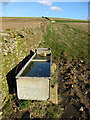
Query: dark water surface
point(37, 69)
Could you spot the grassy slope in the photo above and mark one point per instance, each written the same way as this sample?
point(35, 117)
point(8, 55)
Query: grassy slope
point(80, 21)
point(68, 39)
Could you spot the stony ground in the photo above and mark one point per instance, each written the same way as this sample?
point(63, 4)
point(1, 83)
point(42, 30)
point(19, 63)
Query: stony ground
point(15, 45)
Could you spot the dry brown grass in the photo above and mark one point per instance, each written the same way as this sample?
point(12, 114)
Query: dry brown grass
point(18, 22)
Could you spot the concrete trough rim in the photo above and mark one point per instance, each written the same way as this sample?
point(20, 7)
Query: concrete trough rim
point(34, 77)
point(39, 60)
point(20, 72)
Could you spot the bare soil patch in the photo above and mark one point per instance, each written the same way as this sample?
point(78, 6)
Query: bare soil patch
point(74, 88)
point(15, 22)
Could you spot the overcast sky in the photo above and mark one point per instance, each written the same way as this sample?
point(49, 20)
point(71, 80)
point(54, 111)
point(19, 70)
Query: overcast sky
point(73, 10)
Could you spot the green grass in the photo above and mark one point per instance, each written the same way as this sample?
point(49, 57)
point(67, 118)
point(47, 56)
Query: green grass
point(67, 40)
point(53, 112)
point(23, 104)
point(78, 21)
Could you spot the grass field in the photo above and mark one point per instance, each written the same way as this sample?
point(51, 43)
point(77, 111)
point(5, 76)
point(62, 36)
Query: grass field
point(68, 40)
point(76, 21)
point(71, 39)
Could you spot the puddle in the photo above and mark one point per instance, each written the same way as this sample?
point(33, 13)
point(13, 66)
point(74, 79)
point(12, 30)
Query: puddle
point(37, 69)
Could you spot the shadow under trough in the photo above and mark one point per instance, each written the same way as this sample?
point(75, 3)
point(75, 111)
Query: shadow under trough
point(11, 80)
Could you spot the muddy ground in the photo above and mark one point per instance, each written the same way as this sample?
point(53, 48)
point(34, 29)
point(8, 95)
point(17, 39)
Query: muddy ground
point(74, 89)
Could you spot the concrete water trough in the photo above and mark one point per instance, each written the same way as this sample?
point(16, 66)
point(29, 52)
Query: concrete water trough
point(33, 81)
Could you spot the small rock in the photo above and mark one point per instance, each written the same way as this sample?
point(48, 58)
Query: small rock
point(30, 116)
point(18, 108)
point(1, 113)
point(81, 61)
point(62, 109)
point(52, 21)
point(86, 92)
point(81, 109)
point(15, 110)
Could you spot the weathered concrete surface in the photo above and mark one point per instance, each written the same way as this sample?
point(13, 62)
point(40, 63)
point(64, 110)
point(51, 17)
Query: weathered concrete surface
point(33, 88)
point(53, 90)
point(54, 94)
point(43, 51)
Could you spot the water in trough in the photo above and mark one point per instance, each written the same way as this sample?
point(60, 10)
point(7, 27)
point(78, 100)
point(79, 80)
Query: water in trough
point(37, 69)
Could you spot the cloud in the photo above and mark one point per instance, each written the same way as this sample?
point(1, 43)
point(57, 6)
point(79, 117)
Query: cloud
point(56, 8)
point(5, 2)
point(46, 3)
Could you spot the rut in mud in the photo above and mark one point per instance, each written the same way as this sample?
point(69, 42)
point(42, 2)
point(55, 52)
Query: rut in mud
point(74, 88)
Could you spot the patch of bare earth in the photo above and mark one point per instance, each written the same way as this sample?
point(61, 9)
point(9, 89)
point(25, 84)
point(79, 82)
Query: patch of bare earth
point(19, 23)
point(74, 89)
